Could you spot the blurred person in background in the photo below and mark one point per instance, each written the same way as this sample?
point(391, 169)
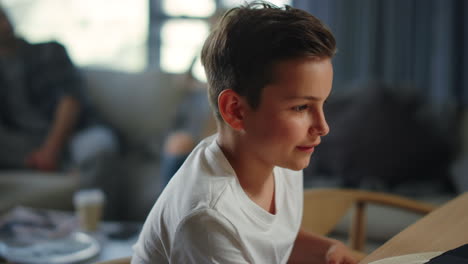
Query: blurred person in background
point(46, 121)
point(193, 121)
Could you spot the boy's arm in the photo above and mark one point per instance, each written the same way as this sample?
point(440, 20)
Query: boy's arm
point(311, 248)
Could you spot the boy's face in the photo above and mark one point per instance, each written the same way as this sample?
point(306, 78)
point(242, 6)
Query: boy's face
point(287, 125)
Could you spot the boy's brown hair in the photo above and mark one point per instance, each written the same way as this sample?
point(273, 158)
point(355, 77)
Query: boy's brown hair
point(242, 49)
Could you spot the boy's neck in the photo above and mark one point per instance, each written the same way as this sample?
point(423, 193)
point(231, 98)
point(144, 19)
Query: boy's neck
point(255, 178)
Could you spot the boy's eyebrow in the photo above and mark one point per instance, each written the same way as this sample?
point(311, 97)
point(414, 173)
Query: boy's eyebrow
point(308, 97)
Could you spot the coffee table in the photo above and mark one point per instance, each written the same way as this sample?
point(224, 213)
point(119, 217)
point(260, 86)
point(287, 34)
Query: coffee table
point(112, 240)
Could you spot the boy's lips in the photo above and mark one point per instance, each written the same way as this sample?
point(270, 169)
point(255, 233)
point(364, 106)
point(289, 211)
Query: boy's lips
point(307, 148)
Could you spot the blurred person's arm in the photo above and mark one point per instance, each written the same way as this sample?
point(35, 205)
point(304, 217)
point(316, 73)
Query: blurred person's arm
point(46, 157)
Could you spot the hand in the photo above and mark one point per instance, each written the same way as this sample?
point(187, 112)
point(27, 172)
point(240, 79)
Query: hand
point(43, 159)
point(179, 142)
point(338, 253)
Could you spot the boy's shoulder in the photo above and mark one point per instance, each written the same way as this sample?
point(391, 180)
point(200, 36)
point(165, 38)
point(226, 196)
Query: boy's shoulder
point(204, 217)
point(200, 181)
point(206, 182)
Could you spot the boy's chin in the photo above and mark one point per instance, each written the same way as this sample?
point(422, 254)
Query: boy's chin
point(297, 166)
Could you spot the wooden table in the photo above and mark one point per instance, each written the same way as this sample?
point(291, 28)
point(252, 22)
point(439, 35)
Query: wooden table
point(443, 229)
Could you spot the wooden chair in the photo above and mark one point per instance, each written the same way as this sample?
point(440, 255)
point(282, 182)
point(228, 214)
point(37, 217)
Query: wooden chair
point(125, 260)
point(324, 208)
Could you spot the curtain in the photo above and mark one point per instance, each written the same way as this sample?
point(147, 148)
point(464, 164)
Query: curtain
point(422, 43)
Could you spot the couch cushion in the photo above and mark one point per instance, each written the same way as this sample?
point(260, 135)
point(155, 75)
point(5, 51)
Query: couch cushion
point(37, 189)
point(140, 105)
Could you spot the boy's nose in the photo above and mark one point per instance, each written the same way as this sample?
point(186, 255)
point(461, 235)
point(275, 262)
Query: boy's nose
point(319, 126)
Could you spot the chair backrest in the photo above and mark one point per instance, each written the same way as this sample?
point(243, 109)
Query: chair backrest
point(324, 208)
point(125, 260)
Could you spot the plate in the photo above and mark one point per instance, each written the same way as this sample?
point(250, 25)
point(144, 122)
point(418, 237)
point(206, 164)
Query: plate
point(76, 247)
point(418, 258)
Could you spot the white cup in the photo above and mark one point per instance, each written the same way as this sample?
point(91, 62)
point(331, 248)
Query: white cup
point(89, 205)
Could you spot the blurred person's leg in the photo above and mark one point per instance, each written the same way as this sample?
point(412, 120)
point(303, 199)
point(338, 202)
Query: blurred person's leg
point(94, 152)
point(91, 143)
point(176, 149)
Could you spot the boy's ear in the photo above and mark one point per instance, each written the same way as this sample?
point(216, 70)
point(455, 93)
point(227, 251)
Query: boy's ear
point(231, 108)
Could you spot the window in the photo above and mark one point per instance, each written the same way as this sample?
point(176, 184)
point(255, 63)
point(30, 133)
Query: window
point(115, 34)
point(111, 34)
point(184, 28)
point(181, 40)
point(231, 3)
point(192, 8)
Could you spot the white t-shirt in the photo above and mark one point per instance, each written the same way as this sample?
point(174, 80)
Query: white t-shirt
point(204, 216)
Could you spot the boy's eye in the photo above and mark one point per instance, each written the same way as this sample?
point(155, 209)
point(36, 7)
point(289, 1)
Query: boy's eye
point(300, 108)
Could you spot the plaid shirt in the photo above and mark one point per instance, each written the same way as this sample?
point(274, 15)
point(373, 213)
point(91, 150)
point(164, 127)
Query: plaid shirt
point(33, 82)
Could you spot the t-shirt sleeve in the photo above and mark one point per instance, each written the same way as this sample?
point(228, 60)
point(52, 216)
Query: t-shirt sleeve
point(207, 237)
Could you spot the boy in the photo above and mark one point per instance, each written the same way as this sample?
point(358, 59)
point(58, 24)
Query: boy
point(238, 196)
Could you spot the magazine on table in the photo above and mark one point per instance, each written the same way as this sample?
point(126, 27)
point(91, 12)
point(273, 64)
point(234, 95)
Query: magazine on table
point(30, 235)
